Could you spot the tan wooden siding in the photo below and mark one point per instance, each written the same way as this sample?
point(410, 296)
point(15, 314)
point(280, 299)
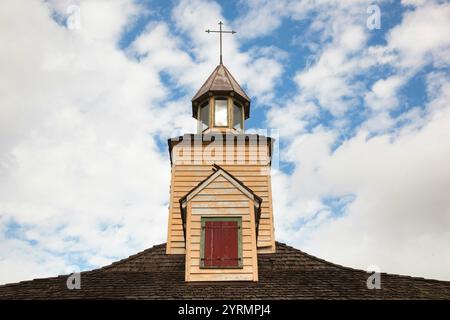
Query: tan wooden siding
point(213, 153)
point(242, 207)
point(187, 176)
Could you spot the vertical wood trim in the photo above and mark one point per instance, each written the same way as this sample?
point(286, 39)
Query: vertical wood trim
point(229, 106)
point(202, 241)
point(243, 118)
point(211, 112)
point(240, 240)
point(199, 121)
point(187, 261)
point(169, 226)
point(253, 229)
point(272, 231)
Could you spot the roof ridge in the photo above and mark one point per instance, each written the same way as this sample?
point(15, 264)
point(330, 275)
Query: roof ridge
point(11, 284)
point(124, 260)
point(205, 84)
point(229, 84)
point(353, 269)
point(229, 74)
point(322, 260)
point(316, 258)
point(94, 271)
point(131, 257)
point(166, 281)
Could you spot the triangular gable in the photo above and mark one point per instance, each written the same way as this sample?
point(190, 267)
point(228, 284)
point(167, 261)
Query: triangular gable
point(220, 172)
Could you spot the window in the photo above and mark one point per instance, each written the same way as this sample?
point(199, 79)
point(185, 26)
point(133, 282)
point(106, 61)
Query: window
point(237, 117)
point(204, 116)
point(221, 113)
point(221, 243)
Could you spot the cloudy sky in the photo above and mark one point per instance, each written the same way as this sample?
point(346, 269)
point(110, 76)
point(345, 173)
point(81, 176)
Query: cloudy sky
point(87, 105)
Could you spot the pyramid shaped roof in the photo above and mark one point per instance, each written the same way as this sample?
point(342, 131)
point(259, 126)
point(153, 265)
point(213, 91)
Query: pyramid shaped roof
point(287, 274)
point(221, 80)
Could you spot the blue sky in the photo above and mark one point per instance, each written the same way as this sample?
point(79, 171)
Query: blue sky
point(361, 117)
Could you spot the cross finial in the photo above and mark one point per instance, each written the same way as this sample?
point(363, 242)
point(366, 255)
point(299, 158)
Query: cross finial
point(220, 31)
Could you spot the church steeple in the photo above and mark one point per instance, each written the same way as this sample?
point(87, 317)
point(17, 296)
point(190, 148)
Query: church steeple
point(221, 104)
point(220, 208)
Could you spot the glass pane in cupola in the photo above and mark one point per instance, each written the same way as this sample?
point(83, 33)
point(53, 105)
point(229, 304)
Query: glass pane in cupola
point(204, 116)
point(237, 117)
point(221, 113)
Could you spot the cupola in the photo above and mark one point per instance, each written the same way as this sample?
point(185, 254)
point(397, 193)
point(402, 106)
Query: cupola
point(221, 104)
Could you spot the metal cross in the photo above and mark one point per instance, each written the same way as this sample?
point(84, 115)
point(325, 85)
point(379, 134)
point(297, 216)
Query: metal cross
point(220, 31)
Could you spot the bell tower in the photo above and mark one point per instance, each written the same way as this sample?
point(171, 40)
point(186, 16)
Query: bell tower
point(220, 210)
point(221, 104)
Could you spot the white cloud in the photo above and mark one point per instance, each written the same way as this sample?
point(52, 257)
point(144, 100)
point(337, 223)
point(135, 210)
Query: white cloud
point(261, 18)
point(193, 18)
point(401, 205)
point(379, 123)
point(398, 212)
point(79, 120)
point(438, 90)
point(384, 93)
point(430, 24)
point(21, 261)
point(79, 164)
point(81, 169)
point(400, 217)
point(161, 51)
point(413, 2)
point(330, 80)
point(104, 20)
point(292, 117)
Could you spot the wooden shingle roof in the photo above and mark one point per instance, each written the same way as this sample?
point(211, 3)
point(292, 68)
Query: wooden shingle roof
point(221, 80)
point(287, 274)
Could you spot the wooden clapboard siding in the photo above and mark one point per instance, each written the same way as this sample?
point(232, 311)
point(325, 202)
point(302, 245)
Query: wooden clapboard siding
point(257, 189)
point(172, 221)
point(197, 179)
point(223, 277)
point(213, 203)
point(187, 274)
point(212, 152)
point(186, 176)
point(224, 207)
point(218, 153)
point(269, 213)
point(195, 170)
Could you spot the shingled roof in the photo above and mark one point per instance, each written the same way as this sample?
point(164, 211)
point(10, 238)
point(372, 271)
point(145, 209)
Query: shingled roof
point(287, 274)
point(221, 81)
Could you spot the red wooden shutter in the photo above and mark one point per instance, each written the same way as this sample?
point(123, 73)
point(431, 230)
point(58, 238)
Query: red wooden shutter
point(221, 244)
